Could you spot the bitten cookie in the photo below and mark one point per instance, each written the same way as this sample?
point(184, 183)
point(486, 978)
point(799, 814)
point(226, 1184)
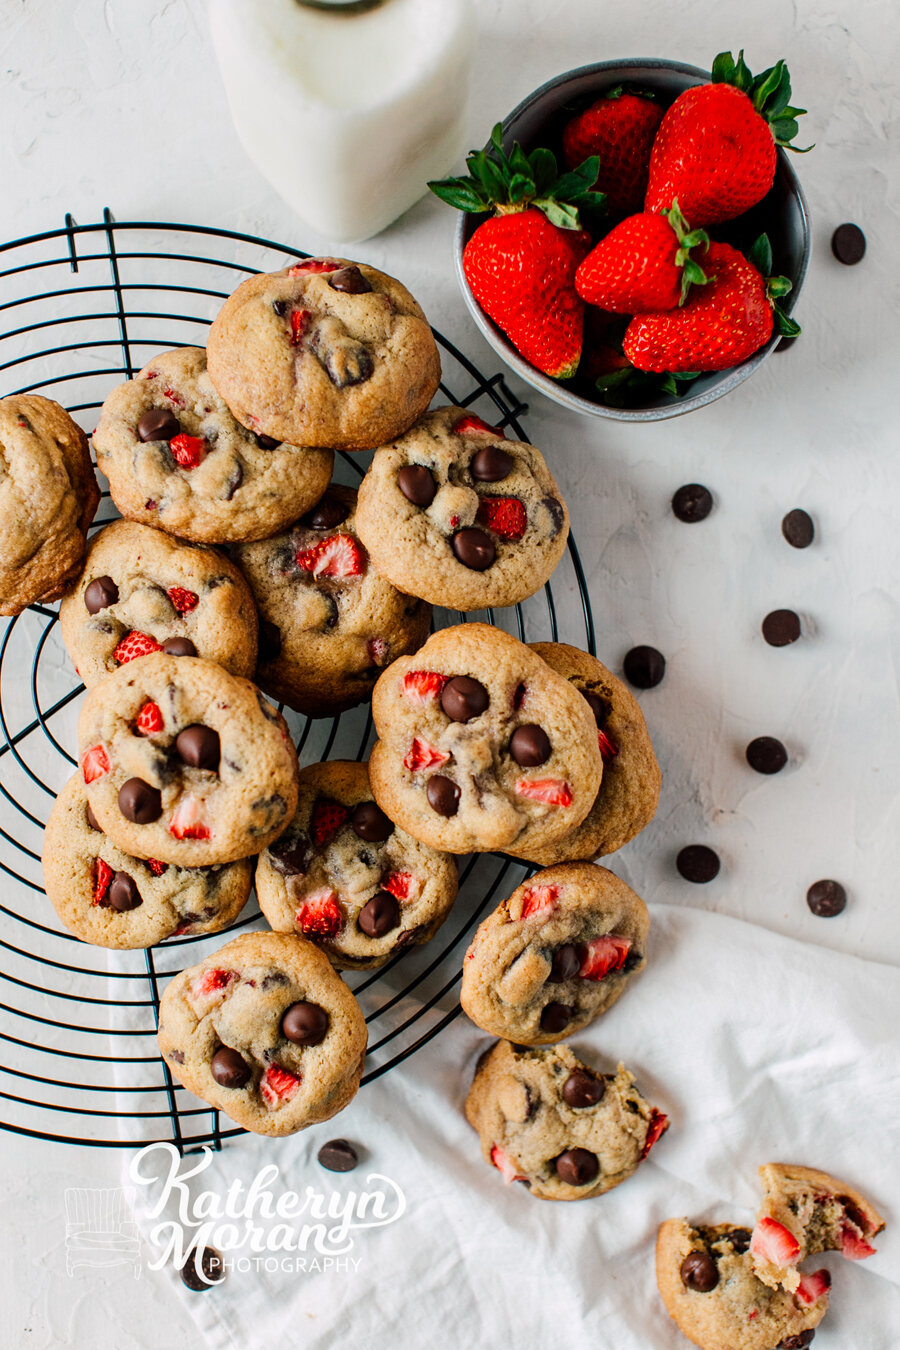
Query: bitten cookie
point(456, 513)
point(141, 591)
point(482, 745)
point(629, 790)
point(110, 899)
point(555, 955)
point(548, 1120)
point(186, 763)
point(346, 877)
point(329, 622)
point(177, 459)
point(266, 1031)
point(705, 1276)
point(48, 496)
point(327, 352)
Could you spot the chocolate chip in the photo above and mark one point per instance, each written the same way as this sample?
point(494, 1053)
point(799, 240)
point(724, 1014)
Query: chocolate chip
point(158, 424)
point(582, 1089)
point(291, 855)
point(644, 667)
point(199, 746)
point(379, 915)
point(305, 1023)
point(474, 549)
point(417, 484)
point(327, 513)
point(229, 1069)
point(781, 627)
point(556, 1017)
point(766, 754)
point(491, 463)
point(577, 1167)
point(739, 1239)
point(599, 707)
point(530, 745)
point(266, 442)
point(280, 307)
point(698, 863)
point(99, 594)
point(179, 646)
point(123, 894)
point(848, 244)
point(699, 1272)
point(139, 802)
point(463, 698)
point(566, 963)
point(631, 962)
point(348, 365)
point(798, 528)
point(798, 1342)
point(338, 1156)
point(692, 502)
point(91, 818)
point(853, 1213)
point(211, 1270)
point(443, 795)
point(826, 898)
point(269, 640)
point(370, 823)
point(234, 482)
point(350, 280)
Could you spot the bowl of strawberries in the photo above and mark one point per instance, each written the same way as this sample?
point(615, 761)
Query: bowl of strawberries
point(634, 237)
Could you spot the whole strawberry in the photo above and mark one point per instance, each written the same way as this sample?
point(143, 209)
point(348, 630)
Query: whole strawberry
point(721, 324)
point(619, 129)
point(643, 264)
point(521, 263)
point(716, 146)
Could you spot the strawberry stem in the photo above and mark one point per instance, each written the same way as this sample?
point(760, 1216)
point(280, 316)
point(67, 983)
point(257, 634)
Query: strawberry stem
point(760, 256)
point(770, 94)
point(692, 273)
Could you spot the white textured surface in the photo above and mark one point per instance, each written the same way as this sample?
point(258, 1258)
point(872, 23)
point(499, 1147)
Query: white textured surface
point(119, 104)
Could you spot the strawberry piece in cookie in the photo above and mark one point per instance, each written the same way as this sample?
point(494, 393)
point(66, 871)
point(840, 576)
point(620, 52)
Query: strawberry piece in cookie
point(189, 451)
point(278, 1086)
point(506, 516)
point(133, 645)
point(183, 599)
point(505, 1165)
point(422, 755)
point(538, 899)
point(149, 720)
point(550, 791)
point(338, 556)
point(812, 1287)
point(402, 885)
point(471, 425)
point(603, 954)
point(103, 875)
point(210, 985)
point(95, 763)
point(423, 686)
point(659, 1123)
point(189, 820)
point(327, 818)
point(321, 915)
point(773, 1243)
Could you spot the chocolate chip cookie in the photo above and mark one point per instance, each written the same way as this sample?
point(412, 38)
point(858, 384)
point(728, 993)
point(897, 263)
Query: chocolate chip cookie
point(266, 1031)
point(555, 955)
point(456, 513)
point(629, 790)
point(330, 622)
point(177, 459)
point(347, 878)
point(110, 899)
point(141, 591)
point(186, 763)
point(548, 1120)
point(327, 352)
point(482, 745)
point(48, 496)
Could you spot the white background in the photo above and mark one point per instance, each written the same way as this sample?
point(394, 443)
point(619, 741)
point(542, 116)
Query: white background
point(119, 104)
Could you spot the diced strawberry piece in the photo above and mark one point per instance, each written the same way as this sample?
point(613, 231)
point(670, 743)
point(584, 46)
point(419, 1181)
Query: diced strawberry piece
point(133, 645)
point(812, 1287)
point(157, 867)
point(150, 375)
point(338, 556)
point(327, 818)
point(551, 791)
point(423, 686)
point(659, 1123)
point(377, 648)
point(149, 720)
point(470, 425)
point(603, 954)
point(608, 747)
point(183, 600)
point(189, 451)
point(505, 1165)
point(320, 915)
point(278, 1086)
point(519, 696)
point(853, 1246)
point(211, 984)
point(454, 522)
point(299, 324)
point(149, 504)
point(753, 1314)
point(188, 820)
point(314, 265)
point(174, 397)
point(506, 516)
point(94, 763)
point(538, 898)
point(402, 885)
point(774, 1243)
point(423, 755)
point(102, 876)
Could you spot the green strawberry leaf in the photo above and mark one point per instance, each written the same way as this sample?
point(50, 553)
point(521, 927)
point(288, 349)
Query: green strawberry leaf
point(743, 80)
point(671, 381)
point(579, 180)
point(778, 286)
point(761, 255)
point(786, 326)
point(520, 187)
point(542, 163)
point(723, 69)
point(692, 275)
point(768, 85)
point(518, 162)
point(512, 182)
point(459, 193)
point(563, 216)
point(770, 93)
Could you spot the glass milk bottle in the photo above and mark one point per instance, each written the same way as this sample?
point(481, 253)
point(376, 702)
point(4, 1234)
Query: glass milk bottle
point(347, 107)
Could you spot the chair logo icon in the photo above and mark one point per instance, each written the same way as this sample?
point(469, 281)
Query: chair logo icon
point(100, 1229)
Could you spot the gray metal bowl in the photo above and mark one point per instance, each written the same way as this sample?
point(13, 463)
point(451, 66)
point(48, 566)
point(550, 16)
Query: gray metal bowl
point(782, 214)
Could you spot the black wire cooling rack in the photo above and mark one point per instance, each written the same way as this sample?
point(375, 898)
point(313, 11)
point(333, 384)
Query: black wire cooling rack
point(84, 307)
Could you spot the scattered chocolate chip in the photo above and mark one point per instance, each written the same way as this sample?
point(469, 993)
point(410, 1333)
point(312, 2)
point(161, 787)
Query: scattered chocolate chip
point(766, 754)
point(781, 627)
point(463, 698)
point(327, 513)
point(474, 549)
point(417, 484)
point(338, 1156)
point(556, 513)
point(491, 463)
point(291, 855)
point(280, 307)
point(179, 646)
point(211, 1270)
point(699, 1272)
point(139, 802)
point(100, 594)
point(269, 640)
point(785, 343)
point(379, 915)
point(369, 822)
point(582, 1089)
point(305, 1023)
point(556, 1017)
point(199, 746)
point(577, 1167)
point(697, 862)
point(798, 528)
point(848, 244)
point(158, 424)
point(644, 667)
point(566, 963)
point(739, 1239)
point(443, 795)
point(123, 894)
point(91, 818)
point(229, 1069)
point(692, 502)
point(826, 898)
point(530, 745)
point(266, 442)
point(350, 280)
point(798, 1342)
